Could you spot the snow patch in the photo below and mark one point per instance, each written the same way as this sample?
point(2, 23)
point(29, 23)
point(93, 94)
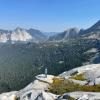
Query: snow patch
point(93, 50)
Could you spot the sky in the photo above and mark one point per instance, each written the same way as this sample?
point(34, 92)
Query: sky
point(48, 15)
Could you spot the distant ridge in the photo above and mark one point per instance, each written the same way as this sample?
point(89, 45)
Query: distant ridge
point(36, 36)
point(92, 32)
point(21, 35)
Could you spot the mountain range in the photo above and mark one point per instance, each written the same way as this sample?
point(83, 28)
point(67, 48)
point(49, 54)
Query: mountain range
point(24, 53)
point(92, 32)
point(21, 35)
point(37, 36)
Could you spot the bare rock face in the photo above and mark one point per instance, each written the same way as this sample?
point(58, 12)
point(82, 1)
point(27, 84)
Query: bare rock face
point(67, 34)
point(3, 38)
point(34, 91)
point(37, 90)
point(9, 96)
point(21, 35)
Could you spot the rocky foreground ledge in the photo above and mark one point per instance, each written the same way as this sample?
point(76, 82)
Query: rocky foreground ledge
point(34, 91)
point(38, 90)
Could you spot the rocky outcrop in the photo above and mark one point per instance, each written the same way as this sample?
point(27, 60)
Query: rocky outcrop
point(34, 91)
point(37, 90)
point(67, 34)
point(21, 35)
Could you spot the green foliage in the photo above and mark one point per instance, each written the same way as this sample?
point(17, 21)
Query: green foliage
point(19, 63)
point(60, 86)
point(95, 88)
point(71, 98)
point(78, 77)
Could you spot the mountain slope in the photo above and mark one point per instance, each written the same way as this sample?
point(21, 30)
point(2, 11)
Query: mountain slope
point(62, 87)
point(21, 35)
point(19, 63)
point(37, 34)
point(93, 29)
point(92, 33)
point(69, 33)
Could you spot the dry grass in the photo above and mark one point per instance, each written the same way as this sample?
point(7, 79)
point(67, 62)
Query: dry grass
point(78, 77)
point(60, 86)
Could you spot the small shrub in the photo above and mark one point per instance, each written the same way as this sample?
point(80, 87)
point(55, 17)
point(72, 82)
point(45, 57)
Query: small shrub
point(60, 86)
point(79, 77)
point(88, 88)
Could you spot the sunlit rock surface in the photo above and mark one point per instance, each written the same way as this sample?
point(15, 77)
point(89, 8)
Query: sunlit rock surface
point(37, 90)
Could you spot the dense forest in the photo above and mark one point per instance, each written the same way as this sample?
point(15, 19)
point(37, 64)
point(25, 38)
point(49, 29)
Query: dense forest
point(20, 63)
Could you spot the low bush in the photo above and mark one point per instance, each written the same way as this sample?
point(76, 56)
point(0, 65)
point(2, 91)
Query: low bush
point(60, 86)
point(79, 77)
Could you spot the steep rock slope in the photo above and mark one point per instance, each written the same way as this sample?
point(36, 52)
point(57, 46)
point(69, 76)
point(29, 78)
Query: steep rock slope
point(69, 33)
point(37, 90)
point(91, 33)
point(21, 35)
